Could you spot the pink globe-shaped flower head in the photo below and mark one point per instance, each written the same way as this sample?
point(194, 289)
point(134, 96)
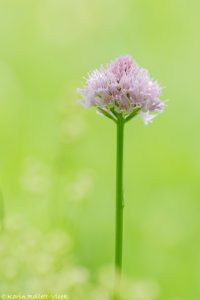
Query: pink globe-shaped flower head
point(124, 89)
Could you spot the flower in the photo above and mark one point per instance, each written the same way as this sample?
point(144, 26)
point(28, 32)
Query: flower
point(122, 88)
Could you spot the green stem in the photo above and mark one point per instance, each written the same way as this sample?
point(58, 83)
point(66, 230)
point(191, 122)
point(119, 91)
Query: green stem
point(119, 206)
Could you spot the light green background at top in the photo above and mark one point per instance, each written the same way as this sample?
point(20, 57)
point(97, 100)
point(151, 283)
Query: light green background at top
point(57, 160)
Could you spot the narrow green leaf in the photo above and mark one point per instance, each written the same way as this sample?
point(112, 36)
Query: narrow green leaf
point(2, 211)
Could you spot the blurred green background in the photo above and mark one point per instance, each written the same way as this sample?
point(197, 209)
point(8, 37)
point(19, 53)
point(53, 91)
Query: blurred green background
point(57, 160)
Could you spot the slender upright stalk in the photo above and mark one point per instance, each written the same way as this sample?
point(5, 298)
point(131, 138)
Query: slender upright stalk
point(119, 206)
